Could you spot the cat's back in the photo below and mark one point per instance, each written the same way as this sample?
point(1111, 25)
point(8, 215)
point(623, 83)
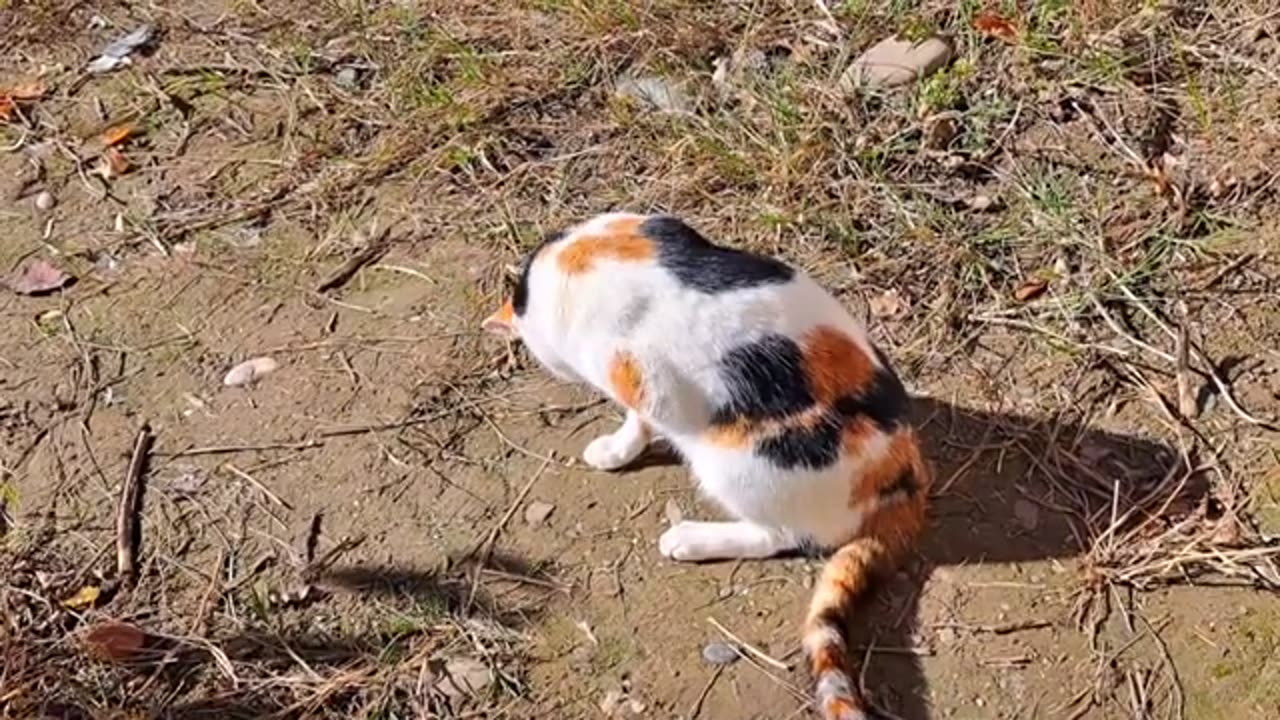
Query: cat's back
point(654, 278)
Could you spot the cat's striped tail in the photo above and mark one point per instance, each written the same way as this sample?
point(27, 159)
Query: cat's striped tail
point(844, 579)
point(889, 530)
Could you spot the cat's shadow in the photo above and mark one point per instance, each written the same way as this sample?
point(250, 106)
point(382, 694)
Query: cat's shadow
point(1001, 484)
point(1007, 489)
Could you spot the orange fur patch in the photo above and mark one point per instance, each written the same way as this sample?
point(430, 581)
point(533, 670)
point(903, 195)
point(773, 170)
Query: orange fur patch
point(826, 659)
point(836, 366)
point(735, 436)
point(742, 433)
point(506, 313)
point(623, 243)
point(626, 380)
point(902, 456)
point(897, 524)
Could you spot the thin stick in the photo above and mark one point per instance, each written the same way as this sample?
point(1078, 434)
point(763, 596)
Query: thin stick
point(1186, 395)
point(344, 272)
point(254, 482)
point(1003, 629)
point(1224, 389)
point(696, 708)
point(128, 515)
point(760, 655)
point(230, 449)
point(486, 547)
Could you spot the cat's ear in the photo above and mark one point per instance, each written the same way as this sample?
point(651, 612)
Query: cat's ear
point(501, 322)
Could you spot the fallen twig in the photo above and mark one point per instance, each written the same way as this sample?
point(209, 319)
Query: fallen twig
point(760, 655)
point(340, 275)
point(128, 516)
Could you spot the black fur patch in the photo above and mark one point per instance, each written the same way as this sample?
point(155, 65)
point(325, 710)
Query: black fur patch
point(766, 380)
point(810, 448)
point(520, 296)
point(883, 401)
point(709, 268)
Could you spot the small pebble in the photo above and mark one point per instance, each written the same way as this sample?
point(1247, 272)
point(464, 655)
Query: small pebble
point(537, 512)
point(1027, 514)
point(249, 371)
point(656, 92)
point(44, 201)
point(348, 78)
point(718, 653)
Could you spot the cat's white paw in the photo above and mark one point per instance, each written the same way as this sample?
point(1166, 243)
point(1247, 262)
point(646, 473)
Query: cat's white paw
point(680, 541)
point(607, 453)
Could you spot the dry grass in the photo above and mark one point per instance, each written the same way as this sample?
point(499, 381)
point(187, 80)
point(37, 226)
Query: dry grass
point(1121, 155)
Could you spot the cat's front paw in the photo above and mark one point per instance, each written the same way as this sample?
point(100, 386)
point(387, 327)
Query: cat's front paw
point(606, 453)
point(679, 542)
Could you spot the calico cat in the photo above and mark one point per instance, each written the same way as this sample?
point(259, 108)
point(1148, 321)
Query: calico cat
point(787, 415)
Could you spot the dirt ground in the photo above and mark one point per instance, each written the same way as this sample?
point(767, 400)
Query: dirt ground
point(1066, 239)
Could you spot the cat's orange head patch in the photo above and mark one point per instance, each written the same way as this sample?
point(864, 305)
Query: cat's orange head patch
point(502, 322)
point(621, 240)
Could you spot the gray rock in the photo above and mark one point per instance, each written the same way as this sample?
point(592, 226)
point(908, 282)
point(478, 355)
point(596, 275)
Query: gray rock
point(893, 62)
point(718, 653)
point(464, 676)
point(1027, 514)
point(348, 78)
point(537, 512)
point(655, 92)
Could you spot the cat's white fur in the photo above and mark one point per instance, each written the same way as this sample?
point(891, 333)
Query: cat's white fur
point(574, 325)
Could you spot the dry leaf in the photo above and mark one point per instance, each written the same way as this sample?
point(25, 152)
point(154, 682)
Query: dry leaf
point(114, 641)
point(886, 304)
point(118, 134)
point(37, 278)
point(26, 92)
point(33, 90)
point(115, 163)
point(996, 26)
point(464, 676)
point(85, 597)
point(1030, 290)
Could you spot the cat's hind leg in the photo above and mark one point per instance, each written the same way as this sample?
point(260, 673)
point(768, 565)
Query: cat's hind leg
point(694, 541)
point(620, 447)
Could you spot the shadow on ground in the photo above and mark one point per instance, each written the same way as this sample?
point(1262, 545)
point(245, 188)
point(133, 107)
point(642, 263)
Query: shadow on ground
point(291, 669)
point(1007, 489)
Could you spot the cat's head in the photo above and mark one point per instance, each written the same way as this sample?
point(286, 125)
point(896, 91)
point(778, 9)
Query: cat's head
point(502, 322)
point(527, 314)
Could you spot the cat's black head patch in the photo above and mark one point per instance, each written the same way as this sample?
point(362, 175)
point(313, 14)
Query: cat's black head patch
point(520, 297)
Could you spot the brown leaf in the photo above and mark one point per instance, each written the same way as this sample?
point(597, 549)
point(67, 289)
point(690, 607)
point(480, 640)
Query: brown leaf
point(114, 641)
point(115, 163)
point(996, 26)
point(118, 134)
point(24, 92)
point(37, 278)
point(1030, 290)
point(33, 90)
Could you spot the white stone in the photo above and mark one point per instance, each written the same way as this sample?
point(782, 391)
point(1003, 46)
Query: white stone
point(249, 371)
point(893, 62)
